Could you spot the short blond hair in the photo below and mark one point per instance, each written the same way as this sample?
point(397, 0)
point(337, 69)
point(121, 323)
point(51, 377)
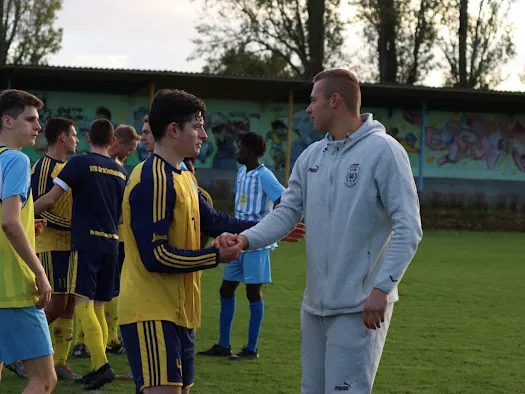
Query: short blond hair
point(344, 82)
point(126, 133)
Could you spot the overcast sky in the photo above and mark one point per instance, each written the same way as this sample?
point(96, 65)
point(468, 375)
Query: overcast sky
point(156, 34)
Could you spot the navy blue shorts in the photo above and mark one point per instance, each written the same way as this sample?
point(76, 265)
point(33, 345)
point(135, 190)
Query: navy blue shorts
point(92, 274)
point(56, 265)
point(160, 353)
point(119, 268)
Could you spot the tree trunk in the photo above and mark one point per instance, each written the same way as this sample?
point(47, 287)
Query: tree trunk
point(462, 34)
point(387, 41)
point(316, 10)
point(3, 34)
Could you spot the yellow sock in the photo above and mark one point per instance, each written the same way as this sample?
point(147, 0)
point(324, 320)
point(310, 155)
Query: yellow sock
point(93, 336)
point(110, 309)
point(79, 333)
point(101, 317)
point(63, 334)
point(52, 334)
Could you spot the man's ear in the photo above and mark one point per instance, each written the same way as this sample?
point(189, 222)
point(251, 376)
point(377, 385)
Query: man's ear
point(88, 139)
point(172, 129)
point(7, 121)
point(112, 140)
point(335, 100)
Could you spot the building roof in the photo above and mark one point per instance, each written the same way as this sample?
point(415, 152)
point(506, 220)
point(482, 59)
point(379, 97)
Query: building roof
point(262, 89)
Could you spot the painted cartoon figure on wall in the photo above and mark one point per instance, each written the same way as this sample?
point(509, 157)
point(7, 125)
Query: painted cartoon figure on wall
point(277, 141)
point(303, 134)
point(225, 132)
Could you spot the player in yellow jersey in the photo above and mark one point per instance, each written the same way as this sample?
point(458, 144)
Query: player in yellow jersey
point(53, 246)
point(125, 145)
point(97, 182)
point(24, 287)
point(159, 304)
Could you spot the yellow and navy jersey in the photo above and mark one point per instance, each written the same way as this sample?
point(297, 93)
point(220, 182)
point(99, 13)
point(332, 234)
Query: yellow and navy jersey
point(56, 236)
point(206, 196)
point(17, 281)
point(120, 226)
point(163, 218)
point(97, 183)
point(208, 199)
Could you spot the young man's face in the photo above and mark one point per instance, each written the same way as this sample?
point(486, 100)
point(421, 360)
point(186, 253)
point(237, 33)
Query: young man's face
point(123, 149)
point(189, 140)
point(24, 129)
point(147, 138)
point(70, 140)
point(243, 153)
point(319, 108)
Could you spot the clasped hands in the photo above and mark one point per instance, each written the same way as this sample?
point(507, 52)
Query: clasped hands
point(231, 245)
point(40, 224)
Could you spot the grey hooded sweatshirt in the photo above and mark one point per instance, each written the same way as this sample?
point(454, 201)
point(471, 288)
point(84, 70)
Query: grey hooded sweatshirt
point(361, 212)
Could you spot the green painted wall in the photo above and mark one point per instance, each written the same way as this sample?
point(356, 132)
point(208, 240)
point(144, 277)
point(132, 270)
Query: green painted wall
point(457, 145)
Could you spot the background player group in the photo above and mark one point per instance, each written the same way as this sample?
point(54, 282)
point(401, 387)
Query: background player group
point(110, 245)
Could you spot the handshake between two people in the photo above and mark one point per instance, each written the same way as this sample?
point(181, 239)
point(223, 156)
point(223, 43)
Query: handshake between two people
point(231, 245)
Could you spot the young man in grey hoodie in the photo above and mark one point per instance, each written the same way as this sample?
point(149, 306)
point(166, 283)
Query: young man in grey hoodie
point(356, 191)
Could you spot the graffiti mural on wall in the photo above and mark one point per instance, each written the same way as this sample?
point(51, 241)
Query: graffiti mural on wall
point(84, 109)
point(496, 142)
point(458, 145)
point(224, 127)
point(461, 145)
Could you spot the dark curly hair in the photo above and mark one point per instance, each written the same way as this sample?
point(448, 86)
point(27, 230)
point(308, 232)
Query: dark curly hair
point(254, 142)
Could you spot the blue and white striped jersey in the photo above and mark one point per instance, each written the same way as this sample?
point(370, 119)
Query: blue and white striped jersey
point(256, 192)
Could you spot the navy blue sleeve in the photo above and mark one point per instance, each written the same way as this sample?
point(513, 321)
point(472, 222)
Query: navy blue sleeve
point(151, 210)
point(214, 223)
point(36, 174)
point(71, 174)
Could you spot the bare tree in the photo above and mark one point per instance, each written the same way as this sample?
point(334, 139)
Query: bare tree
point(27, 31)
point(479, 44)
point(302, 36)
point(401, 35)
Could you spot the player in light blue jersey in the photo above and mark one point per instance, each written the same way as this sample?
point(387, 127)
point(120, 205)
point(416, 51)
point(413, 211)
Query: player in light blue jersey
point(257, 190)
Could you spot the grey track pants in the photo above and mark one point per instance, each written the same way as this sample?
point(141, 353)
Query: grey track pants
point(339, 354)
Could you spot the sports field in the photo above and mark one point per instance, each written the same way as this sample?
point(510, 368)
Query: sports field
point(457, 329)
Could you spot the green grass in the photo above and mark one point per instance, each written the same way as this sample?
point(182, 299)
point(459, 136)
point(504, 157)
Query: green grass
point(458, 327)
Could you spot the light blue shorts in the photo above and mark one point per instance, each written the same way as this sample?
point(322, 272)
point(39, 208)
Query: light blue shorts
point(250, 268)
point(24, 334)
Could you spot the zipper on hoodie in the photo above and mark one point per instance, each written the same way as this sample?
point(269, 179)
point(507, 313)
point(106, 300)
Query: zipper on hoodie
point(334, 153)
